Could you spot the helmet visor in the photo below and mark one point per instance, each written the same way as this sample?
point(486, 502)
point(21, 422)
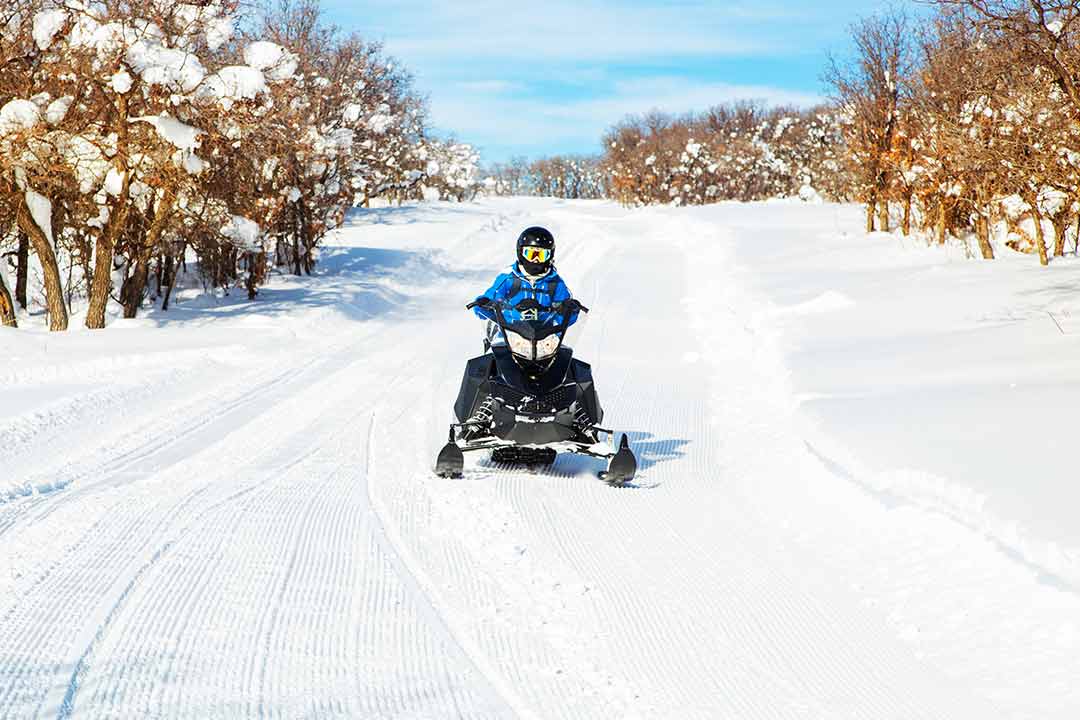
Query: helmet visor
point(535, 254)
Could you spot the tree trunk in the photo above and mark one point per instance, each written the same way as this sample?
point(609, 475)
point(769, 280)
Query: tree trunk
point(883, 216)
point(101, 285)
point(169, 278)
point(942, 222)
point(982, 231)
point(1061, 227)
point(7, 305)
point(870, 211)
point(131, 293)
point(22, 271)
point(1040, 237)
point(160, 267)
point(54, 289)
point(905, 224)
point(134, 287)
point(256, 269)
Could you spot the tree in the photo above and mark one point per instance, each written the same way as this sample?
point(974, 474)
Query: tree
point(868, 92)
point(7, 305)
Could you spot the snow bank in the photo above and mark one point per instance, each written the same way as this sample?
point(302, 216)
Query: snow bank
point(941, 383)
point(826, 302)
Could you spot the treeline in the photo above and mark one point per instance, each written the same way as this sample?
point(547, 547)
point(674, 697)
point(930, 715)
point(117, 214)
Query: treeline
point(968, 122)
point(138, 136)
point(575, 177)
point(964, 122)
point(741, 151)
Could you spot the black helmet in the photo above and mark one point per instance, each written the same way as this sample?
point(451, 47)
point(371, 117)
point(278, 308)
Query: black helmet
point(536, 251)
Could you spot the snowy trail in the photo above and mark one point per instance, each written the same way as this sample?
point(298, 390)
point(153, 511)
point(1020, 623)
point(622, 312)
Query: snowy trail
point(278, 547)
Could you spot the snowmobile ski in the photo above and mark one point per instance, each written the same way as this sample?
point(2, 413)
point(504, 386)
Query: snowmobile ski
point(623, 466)
point(451, 461)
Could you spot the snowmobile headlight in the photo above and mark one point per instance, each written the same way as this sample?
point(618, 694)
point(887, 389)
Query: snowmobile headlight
point(547, 347)
point(519, 345)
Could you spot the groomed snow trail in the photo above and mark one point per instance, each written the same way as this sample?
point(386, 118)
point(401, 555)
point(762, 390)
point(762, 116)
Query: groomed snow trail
point(269, 541)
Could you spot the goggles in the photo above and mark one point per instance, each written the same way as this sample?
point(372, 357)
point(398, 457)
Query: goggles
point(536, 254)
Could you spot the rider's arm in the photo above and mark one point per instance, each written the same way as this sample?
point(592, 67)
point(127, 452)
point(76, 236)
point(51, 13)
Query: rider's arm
point(497, 291)
point(562, 293)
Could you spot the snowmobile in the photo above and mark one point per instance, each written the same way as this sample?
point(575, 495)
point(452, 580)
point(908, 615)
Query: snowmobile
point(528, 398)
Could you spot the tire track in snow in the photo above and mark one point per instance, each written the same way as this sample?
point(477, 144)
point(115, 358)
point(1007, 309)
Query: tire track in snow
point(192, 426)
point(279, 504)
point(734, 631)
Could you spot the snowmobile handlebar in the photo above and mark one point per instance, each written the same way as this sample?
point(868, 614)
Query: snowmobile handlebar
point(571, 305)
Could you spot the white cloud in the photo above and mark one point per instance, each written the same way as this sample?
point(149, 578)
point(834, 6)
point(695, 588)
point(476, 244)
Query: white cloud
point(575, 125)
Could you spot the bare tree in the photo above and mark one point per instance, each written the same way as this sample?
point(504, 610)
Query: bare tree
point(867, 90)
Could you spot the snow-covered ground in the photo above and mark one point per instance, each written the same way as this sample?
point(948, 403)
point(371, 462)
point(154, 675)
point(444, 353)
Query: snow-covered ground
point(854, 500)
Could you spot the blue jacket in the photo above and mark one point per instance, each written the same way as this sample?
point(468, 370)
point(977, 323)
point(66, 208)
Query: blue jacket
point(512, 287)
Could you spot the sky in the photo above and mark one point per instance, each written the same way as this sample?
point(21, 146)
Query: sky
point(543, 78)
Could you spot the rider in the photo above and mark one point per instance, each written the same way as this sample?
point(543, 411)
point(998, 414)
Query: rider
point(534, 277)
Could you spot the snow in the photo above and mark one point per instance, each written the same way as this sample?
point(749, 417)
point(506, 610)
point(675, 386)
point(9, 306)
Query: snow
point(46, 24)
point(173, 68)
point(192, 163)
point(41, 210)
point(84, 155)
point(121, 82)
point(181, 136)
point(235, 82)
point(17, 115)
point(352, 112)
point(218, 32)
point(277, 62)
point(243, 232)
point(58, 109)
point(114, 182)
point(380, 122)
point(854, 498)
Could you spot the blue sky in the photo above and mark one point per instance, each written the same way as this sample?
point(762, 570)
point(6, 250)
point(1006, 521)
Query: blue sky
point(539, 78)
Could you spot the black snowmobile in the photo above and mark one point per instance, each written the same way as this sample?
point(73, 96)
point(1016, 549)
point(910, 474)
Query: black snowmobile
point(529, 398)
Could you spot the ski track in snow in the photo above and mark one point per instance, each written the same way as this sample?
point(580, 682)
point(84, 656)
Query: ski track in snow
point(273, 543)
